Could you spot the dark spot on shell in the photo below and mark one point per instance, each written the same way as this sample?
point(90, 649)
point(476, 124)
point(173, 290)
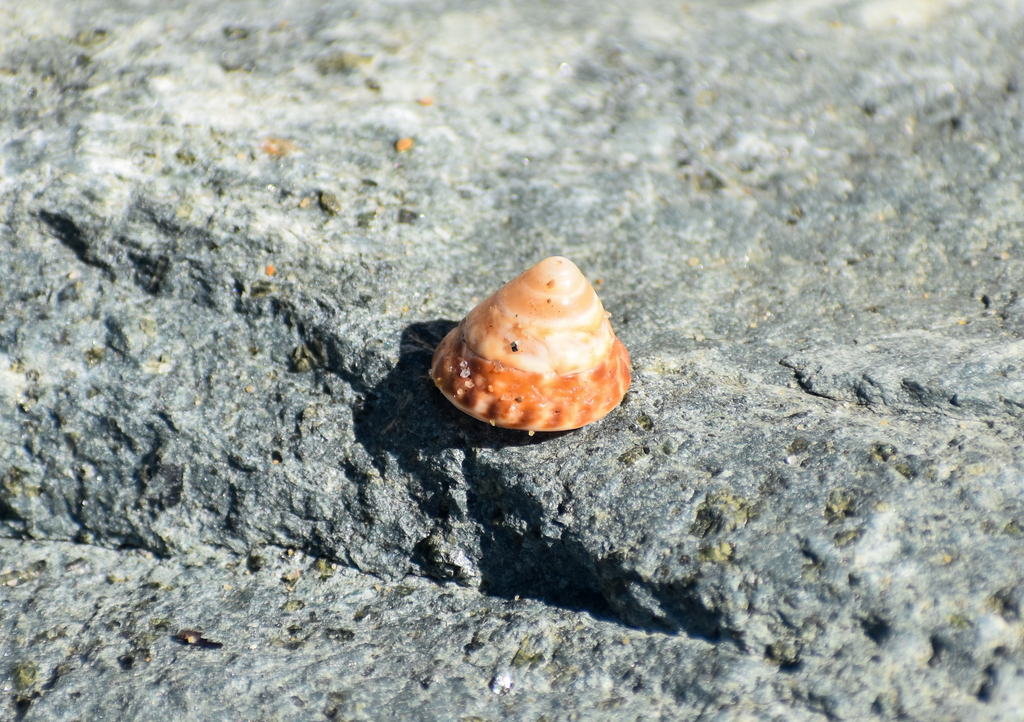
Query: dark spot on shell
point(515, 347)
point(551, 284)
point(527, 415)
point(470, 396)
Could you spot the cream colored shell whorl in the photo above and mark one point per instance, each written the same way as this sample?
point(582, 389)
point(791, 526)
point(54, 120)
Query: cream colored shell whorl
point(538, 355)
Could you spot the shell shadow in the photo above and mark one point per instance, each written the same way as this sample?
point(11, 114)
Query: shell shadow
point(405, 419)
point(406, 410)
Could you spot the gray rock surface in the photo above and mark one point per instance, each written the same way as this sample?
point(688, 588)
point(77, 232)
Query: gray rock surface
point(223, 283)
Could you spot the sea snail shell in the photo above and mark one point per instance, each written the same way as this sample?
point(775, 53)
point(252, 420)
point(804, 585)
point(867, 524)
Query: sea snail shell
point(538, 355)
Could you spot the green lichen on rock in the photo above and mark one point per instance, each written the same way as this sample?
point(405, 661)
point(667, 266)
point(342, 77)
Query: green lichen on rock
point(528, 654)
point(840, 504)
point(905, 470)
point(633, 455)
point(19, 576)
point(307, 356)
point(93, 355)
point(330, 203)
point(721, 511)
point(847, 537)
point(784, 652)
point(261, 288)
point(799, 445)
point(324, 568)
point(24, 675)
point(341, 61)
point(883, 451)
point(960, 622)
point(14, 483)
point(339, 634)
point(717, 553)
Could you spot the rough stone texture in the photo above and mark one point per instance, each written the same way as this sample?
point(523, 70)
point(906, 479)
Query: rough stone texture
point(805, 219)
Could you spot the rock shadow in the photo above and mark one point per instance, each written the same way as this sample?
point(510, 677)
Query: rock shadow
point(405, 419)
point(489, 532)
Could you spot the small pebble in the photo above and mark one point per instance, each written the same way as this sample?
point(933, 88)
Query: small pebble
point(277, 147)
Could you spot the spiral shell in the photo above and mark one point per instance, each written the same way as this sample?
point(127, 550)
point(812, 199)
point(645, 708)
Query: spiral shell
point(538, 355)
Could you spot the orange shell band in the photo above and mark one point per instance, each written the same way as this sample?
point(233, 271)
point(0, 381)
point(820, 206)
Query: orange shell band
point(515, 399)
